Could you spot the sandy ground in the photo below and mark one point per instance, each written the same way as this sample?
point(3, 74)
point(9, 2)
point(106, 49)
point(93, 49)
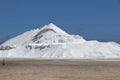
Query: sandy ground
point(60, 70)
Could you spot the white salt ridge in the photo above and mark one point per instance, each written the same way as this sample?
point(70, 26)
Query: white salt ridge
point(50, 42)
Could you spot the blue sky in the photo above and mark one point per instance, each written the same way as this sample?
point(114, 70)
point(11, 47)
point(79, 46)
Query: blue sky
point(92, 19)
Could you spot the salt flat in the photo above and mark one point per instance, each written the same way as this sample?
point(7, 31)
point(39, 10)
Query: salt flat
point(60, 70)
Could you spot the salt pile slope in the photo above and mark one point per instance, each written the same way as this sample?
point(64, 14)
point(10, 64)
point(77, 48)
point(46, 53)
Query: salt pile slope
point(53, 43)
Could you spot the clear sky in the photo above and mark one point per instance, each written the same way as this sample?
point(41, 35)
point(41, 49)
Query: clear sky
point(92, 19)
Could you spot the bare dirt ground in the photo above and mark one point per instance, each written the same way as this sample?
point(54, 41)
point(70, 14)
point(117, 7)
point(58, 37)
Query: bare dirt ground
point(60, 70)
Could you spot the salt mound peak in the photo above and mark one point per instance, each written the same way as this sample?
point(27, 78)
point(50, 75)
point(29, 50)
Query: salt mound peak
point(54, 28)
